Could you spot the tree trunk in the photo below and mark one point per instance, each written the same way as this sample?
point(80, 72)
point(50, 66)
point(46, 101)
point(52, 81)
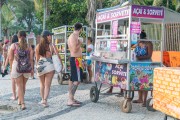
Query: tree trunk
point(122, 1)
point(91, 15)
point(100, 4)
point(44, 17)
point(167, 4)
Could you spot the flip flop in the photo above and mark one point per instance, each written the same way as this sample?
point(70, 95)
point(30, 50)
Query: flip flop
point(44, 105)
point(137, 101)
point(78, 102)
point(143, 105)
point(73, 105)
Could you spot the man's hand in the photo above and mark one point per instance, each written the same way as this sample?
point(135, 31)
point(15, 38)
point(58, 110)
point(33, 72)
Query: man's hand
point(80, 39)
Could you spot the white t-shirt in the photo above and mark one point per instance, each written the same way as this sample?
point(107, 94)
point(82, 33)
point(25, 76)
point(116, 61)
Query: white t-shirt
point(91, 47)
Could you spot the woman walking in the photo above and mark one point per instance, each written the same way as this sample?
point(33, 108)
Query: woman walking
point(20, 58)
point(45, 67)
point(14, 40)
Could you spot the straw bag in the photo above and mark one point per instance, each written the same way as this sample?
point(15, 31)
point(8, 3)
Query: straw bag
point(56, 61)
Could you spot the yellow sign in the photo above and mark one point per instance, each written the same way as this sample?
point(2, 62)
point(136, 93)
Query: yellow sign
point(83, 34)
point(72, 29)
point(58, 30)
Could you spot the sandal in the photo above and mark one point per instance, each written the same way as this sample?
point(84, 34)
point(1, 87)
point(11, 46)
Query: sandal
point(144, 105)
point(19, 103)
point(44, 103)
point(78, 102)
point(74, 105)
point(23, 107)
point(137, 101)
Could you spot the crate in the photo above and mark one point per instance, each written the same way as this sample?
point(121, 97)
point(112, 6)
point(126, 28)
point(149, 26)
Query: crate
point(166, 91)
point(174, 58)
point(170, 58)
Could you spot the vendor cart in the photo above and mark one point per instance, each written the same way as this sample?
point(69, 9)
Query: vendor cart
point(117, 29)
point(60, 39)
point(31, 39)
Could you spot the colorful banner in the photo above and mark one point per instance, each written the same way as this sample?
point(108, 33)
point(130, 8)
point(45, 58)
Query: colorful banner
point(147, 12)
point(112, 14)
point(114, 74)
point(141, 75)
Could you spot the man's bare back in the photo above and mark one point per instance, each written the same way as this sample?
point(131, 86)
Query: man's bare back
point(74, 45)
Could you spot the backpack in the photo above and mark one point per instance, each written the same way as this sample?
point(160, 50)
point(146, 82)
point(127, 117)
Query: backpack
point(23, 61)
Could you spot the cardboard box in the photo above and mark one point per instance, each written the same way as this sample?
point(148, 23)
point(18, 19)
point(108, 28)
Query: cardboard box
point(166, 91)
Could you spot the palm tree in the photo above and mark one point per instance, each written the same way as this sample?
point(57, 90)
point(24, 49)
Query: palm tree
point(43, 4)
point(39, 4)
point(91, 5)
point(1, 4)
point(7, 18)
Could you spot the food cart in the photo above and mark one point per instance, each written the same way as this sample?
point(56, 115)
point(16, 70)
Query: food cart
point(117, 30)
point(60, 39)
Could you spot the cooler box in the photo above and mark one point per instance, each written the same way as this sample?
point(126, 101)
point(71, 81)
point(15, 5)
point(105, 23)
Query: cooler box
point(166, 91)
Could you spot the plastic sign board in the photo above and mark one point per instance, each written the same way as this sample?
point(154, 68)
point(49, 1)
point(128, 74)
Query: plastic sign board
point(147, 12)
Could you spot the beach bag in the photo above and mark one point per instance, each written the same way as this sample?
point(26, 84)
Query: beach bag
point(56, 61)
point(23, 61)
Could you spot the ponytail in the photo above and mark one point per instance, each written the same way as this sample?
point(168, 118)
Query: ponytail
point(22, 43)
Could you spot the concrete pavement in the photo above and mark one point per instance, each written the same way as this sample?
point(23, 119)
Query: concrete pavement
point(107, 107)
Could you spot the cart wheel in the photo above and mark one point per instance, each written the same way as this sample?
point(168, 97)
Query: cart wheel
point(131, 95)
point(149, 105)
point(126, 106)
point(60, 79)
point(94, 94)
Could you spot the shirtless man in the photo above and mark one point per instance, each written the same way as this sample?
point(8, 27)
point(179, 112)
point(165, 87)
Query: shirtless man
point(74, 45)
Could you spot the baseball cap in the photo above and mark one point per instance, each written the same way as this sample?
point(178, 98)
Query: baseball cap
point(46, 33)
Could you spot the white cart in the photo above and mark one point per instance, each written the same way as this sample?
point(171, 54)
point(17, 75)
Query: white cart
point(117, 30)
point(60, 39)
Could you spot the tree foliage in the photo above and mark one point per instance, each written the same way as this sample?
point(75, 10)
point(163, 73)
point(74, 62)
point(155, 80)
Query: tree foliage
point(65, 13)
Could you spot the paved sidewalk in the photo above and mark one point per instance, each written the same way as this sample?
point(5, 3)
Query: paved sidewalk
point(107, 108)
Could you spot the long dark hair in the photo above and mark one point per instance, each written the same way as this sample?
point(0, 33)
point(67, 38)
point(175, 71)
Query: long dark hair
point(14, 39)
point(43, 46)
point(22, 43)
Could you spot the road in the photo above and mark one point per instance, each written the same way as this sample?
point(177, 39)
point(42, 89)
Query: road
point(107, 107)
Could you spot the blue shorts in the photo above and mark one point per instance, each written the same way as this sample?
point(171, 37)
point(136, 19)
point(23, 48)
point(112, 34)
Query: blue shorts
point(76, 70)
point(89, 62)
